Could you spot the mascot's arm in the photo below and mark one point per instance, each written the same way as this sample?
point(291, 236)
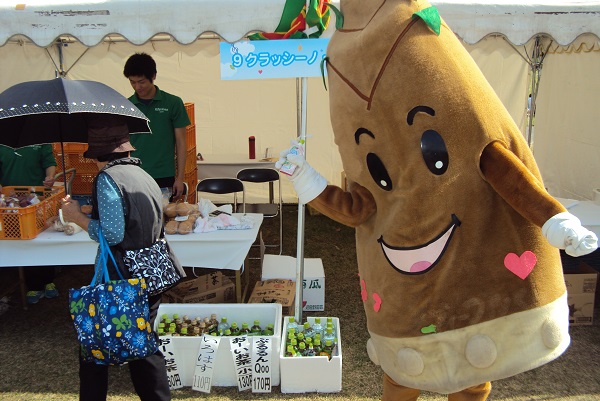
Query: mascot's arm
point(525, 193)
point(517, 185)
point(349, 208)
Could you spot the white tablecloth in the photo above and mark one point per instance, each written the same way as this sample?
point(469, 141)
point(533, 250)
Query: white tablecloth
point(227, 165)
point(223, 249)
point(587, 212)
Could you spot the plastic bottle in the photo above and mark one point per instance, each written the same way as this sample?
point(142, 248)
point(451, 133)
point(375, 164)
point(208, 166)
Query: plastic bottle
point(287, 167)
point(186, 319)
point(163, 317)
point(290, 351)
point(317, 327)
point(235, 329)
point(183, 332)
point(310, 351)
point(223, 325)
point(308, 331)
point(329, 334)
point(160, 332)
point(256, 330)
point(330, 320)
point(245, 330)
point(213, 322)
point(301, 349)
point(317, 346)
point(300, 338)
point(292, 324)
point(202, 327)
point(227, 333)
point(269, 330)
point(328, 349)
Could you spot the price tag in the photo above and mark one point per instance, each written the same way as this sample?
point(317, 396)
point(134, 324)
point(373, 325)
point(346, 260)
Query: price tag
point(240, 352)
point(207, 355)
point(171, 363)
point(262, 357)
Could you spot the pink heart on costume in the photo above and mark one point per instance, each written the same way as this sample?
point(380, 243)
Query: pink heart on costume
point(520, 265)
point(377, 304)
point(260, 71)
point(303, 304)
point(363, 292)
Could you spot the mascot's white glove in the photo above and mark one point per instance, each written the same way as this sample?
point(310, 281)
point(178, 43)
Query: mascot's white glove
point(565, 231)
point(308, 183)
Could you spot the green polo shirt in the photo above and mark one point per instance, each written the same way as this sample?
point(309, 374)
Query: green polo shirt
point(157, 151)
point(25, 166)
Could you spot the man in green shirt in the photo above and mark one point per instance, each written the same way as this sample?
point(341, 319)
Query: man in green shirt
point(31, 166)
point(168, 122)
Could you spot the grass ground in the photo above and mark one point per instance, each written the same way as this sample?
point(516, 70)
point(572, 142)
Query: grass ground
point(38, 357)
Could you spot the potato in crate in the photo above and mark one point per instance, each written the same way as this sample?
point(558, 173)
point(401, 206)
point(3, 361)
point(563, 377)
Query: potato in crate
point(27, 221)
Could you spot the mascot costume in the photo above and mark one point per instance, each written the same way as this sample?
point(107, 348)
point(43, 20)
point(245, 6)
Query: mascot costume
point(456, 237)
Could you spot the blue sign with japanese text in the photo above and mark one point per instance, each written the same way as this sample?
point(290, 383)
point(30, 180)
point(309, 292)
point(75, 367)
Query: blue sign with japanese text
point(285, 58)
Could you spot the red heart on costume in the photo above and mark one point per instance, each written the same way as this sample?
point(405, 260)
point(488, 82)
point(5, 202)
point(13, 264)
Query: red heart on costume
point(520, 265)
point(260, 71)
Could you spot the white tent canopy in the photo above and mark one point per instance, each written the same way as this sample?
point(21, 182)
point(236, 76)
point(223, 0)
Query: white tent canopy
point(42, 21)
point(502, 36)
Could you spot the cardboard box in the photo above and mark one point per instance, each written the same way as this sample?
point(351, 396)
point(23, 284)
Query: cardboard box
point(278, 291)
point(224, 293)
point(582, 280)
point(311, 374)
point(581, 309)
point(313, 286)
point(186, 348)
point(200, 284)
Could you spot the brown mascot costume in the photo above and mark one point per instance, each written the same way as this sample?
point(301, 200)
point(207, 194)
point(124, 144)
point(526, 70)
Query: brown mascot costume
point(456, 236)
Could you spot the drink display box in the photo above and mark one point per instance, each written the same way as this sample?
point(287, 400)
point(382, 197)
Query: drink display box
point(311, 374)
point(186, 348)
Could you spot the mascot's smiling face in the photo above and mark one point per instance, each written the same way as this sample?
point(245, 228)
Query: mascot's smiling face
point(407, 130)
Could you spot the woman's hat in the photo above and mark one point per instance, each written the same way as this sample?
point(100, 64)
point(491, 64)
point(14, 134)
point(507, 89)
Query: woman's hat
point(107, 133)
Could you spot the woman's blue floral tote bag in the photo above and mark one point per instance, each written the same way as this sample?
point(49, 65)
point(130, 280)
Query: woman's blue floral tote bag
point(111, 317)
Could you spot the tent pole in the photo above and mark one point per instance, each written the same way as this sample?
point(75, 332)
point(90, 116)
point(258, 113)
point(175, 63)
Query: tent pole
point(301, 207)
point(301, 212)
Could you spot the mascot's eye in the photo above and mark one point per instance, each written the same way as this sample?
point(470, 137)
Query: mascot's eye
point(378, 172)
point(434, 152)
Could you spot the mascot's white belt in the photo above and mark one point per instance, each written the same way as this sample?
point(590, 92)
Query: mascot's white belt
point(452, 361)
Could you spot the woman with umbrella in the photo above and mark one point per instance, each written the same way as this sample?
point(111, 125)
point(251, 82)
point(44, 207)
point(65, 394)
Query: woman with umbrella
point(127, 207)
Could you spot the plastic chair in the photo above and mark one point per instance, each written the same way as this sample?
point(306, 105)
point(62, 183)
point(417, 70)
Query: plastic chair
point(273, 208)
point(223, 186)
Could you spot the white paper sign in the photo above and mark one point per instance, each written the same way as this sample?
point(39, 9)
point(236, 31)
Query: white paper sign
point(262, 357)
point(171, 363)
point(207, 355)
point(240, 352)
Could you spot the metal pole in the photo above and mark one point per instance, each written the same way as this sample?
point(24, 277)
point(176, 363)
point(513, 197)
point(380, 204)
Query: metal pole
point(301, 214)
point(301, 208)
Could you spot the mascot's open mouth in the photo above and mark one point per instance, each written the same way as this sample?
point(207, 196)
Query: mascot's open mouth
point(419, 259)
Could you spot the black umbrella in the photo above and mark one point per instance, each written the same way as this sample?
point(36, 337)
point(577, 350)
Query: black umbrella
point(57, 110)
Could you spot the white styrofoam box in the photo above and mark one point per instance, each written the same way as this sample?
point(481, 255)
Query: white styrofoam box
point(186, 348)
point(313, 291)
point(311, 374)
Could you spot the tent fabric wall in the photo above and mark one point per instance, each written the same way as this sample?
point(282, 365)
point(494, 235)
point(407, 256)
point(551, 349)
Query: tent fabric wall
point(229, 111)
point(566, 135)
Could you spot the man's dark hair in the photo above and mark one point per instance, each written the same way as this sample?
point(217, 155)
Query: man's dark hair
point(140, 64)
point(112, 156)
